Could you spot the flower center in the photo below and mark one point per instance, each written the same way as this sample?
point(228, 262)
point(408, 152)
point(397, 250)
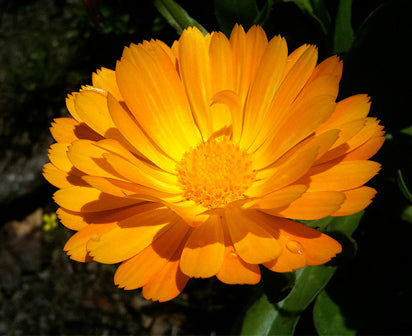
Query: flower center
point(215, 173)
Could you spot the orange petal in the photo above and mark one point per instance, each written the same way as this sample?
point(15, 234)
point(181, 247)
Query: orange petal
point(235, 271)
point(105, 79)
point(331, 66)
point(61, 179)
point(339, 175)
point(222, 70)
point(142, 268)
point(232, 101)
point(84, 199)
point(203, 254)
point(69, 130)
point(91, 105)
point(370, 129)
point(88, 158)
point(366, 150)
point(263, 87)
point(247, 51)
point(301, 122)
point(296, 74)
point(285, 171)
point(349, 109)
point(58, 157)
point(122, 188)
point(131, 235)
point(309, 206)
point(301, 245)
point(194, 54)
point(71, 220)
point(168, 283)
point(355, 201)
point(76, 245)
point(278, 198)
point(153, 92)
point(134, 134)
point(71, 106)
point(75, 220)
point(144, 174)
point(253, 243)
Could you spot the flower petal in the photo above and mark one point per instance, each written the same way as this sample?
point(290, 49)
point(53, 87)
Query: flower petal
point(70, 219)
point(134, 134)
point(144, 174)
point(84, 199)
point(314, 205)
point(194, 54)
point(222, 70)
point(168, 283)
point(131, 235)
point(58, 157)
point(303, 120)
point(248, 49)
point(105, 79)
point(152, 91)
point(349, 109)
point(88, 158)
point(253, 243)
point(122, 188)
point(263, 87)
point(235, 271)
point(143, 267)
point(278, 198)
point(203, 254)
point(91, 106)
point(69, 130)
point(366, 150)
point(285, 171)
point(76, 245)
point(355, 201)
point(301, 245)
point(61, 179)
point(339, 176)
point(296, 74)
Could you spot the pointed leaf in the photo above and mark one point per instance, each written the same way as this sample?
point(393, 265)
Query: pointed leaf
point(344, 36)
point(177, 17)
point(328, 318)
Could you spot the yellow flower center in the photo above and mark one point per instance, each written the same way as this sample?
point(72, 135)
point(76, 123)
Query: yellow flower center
point(215, 173)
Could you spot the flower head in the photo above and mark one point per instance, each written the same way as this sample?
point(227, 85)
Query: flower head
point(190, 161)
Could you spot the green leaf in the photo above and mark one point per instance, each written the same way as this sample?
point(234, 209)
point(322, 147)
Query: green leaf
point(266, 318)
point(177, 17)
point(328, 318)
point(344, 36)
point(345, 225)
point(264, 13)
point(319, 224)
point(407, 130)
point(317, 10)
point(406, 214)
point(402, 185)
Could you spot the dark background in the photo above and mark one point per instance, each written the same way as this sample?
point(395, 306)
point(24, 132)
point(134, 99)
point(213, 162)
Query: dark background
point(48, 48)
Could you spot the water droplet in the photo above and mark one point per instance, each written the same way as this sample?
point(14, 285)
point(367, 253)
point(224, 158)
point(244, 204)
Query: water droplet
point(294, 246)
point(96, 238)
point(232, 253)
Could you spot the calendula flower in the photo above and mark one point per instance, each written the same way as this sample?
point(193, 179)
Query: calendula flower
point(191, 161)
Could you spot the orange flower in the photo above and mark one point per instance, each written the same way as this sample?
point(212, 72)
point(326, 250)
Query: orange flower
point(187, 161)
